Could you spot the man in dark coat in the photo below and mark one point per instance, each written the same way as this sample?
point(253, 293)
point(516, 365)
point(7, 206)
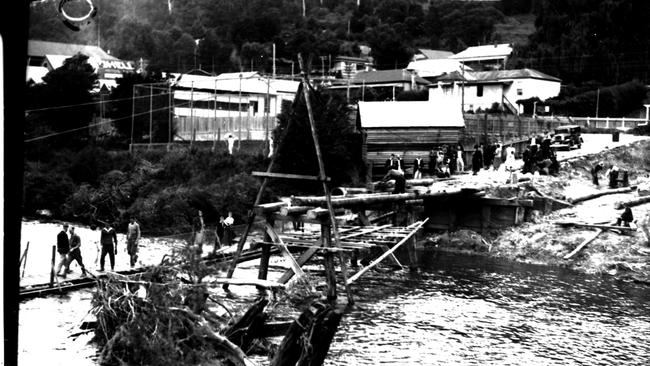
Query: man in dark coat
point(75, 251)
point(63, 248)
point(477, 160)
point(626, 217)
point(594, 173)
point(108, 241)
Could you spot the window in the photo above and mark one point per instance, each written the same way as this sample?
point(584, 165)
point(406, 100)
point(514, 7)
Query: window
point(479, 90)
point(520, 92)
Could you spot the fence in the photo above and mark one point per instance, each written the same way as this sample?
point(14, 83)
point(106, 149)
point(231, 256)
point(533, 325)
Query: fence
point(216, 128)
point(607, 122)
point(489, 128)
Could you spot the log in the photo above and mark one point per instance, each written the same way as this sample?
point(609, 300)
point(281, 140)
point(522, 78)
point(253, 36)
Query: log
point(291, 348)
point(294, 210)
point(633, 202)
point(606, 227)
point(249, 326)
point(248, 282)
point(369, 199)
point(599, 194)
point(287, 176)
point(345, 191)
point(583, 244)
point(269, 207)
point(321, 336)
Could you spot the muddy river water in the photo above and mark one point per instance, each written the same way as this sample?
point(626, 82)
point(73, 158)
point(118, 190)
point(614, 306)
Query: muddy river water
point(457, 310)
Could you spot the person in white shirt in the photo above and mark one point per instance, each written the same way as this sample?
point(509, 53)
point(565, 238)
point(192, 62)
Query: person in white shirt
point(231, 143)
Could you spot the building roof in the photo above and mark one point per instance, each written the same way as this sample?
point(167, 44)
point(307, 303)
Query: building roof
point(430, 68)
point(504, 75)
point(250, 83)
point(410, 114)
point(36, 73)
point(488, 52)
point(37, 48)
point(428, 54)
point(385, 77)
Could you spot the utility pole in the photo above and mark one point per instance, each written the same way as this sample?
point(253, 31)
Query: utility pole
point(132, 115)
point(150, 115)
point(597, 101)
point(273, 61)
point(462, 92)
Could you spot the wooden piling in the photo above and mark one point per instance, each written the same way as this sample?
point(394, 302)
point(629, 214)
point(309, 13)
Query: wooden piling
point(266, 253)
point(330, 272)
point(52, 269)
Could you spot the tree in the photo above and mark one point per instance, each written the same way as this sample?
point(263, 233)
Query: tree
point(339, 142)
point(63, 103)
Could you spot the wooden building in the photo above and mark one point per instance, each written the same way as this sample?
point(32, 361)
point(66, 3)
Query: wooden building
point(408, 129)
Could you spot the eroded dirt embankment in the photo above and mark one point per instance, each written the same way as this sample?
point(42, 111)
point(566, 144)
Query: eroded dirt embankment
point(542, 241)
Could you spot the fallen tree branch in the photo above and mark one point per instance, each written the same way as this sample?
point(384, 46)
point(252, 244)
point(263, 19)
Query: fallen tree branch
point(583, 244)
point(633, 202)
point(599, 194)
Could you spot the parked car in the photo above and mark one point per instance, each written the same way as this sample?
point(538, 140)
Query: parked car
point(567, 138)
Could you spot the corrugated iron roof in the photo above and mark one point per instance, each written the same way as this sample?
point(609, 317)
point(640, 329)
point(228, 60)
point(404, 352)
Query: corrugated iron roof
point(430, 54)
point(484, 52)
point(440, 113)
point(42, 48)
point(431, 68)
point(386, 76)
point(510, 74)
point(252, 83)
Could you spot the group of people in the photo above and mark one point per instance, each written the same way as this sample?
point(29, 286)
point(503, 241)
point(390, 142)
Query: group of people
point(539, 157)
point(68, 244)
point(224, 232)
point(446, 161)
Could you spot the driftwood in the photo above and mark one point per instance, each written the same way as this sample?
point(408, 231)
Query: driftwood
point(633, 202)
point(308, 339)
point(583, 244)
point(249, 326)
point(599, 194)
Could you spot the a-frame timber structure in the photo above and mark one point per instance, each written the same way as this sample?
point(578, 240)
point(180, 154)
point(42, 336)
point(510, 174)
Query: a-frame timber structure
point(332, 240)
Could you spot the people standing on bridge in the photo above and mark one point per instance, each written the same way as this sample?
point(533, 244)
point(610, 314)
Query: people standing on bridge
point(594, 173)
point(108, 242)
point(75, 251)
point(132, 239)
point(477, 160)
point(417, 168)
point(63, 248)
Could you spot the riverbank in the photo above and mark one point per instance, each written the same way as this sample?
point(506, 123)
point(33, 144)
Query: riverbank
point(540, 240)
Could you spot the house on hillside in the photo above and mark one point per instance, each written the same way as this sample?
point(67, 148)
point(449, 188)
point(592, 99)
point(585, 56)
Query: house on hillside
point(409, 129)
point(482, 89)
point(207, 107)
point(428, 54)
point(431, 69)
point(347, 66)
point(43, 55)
point(489, 57)
point(385, 82)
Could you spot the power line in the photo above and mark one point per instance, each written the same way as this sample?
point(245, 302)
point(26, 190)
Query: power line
point(90, 103)
point(109, 121)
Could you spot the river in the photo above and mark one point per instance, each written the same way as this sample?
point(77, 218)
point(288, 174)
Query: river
point(457, 310)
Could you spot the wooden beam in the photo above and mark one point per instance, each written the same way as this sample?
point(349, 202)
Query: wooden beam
point(383, 256)
point(304, 257)
point(505, 202)
point(265, 208)
point(287, 176)
point(633, 202)
point(294, 210)
point(606, 227)
point(583, 244)
point(248, 282)
point(599, 194)
point(369, 199)
point(283, 249)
